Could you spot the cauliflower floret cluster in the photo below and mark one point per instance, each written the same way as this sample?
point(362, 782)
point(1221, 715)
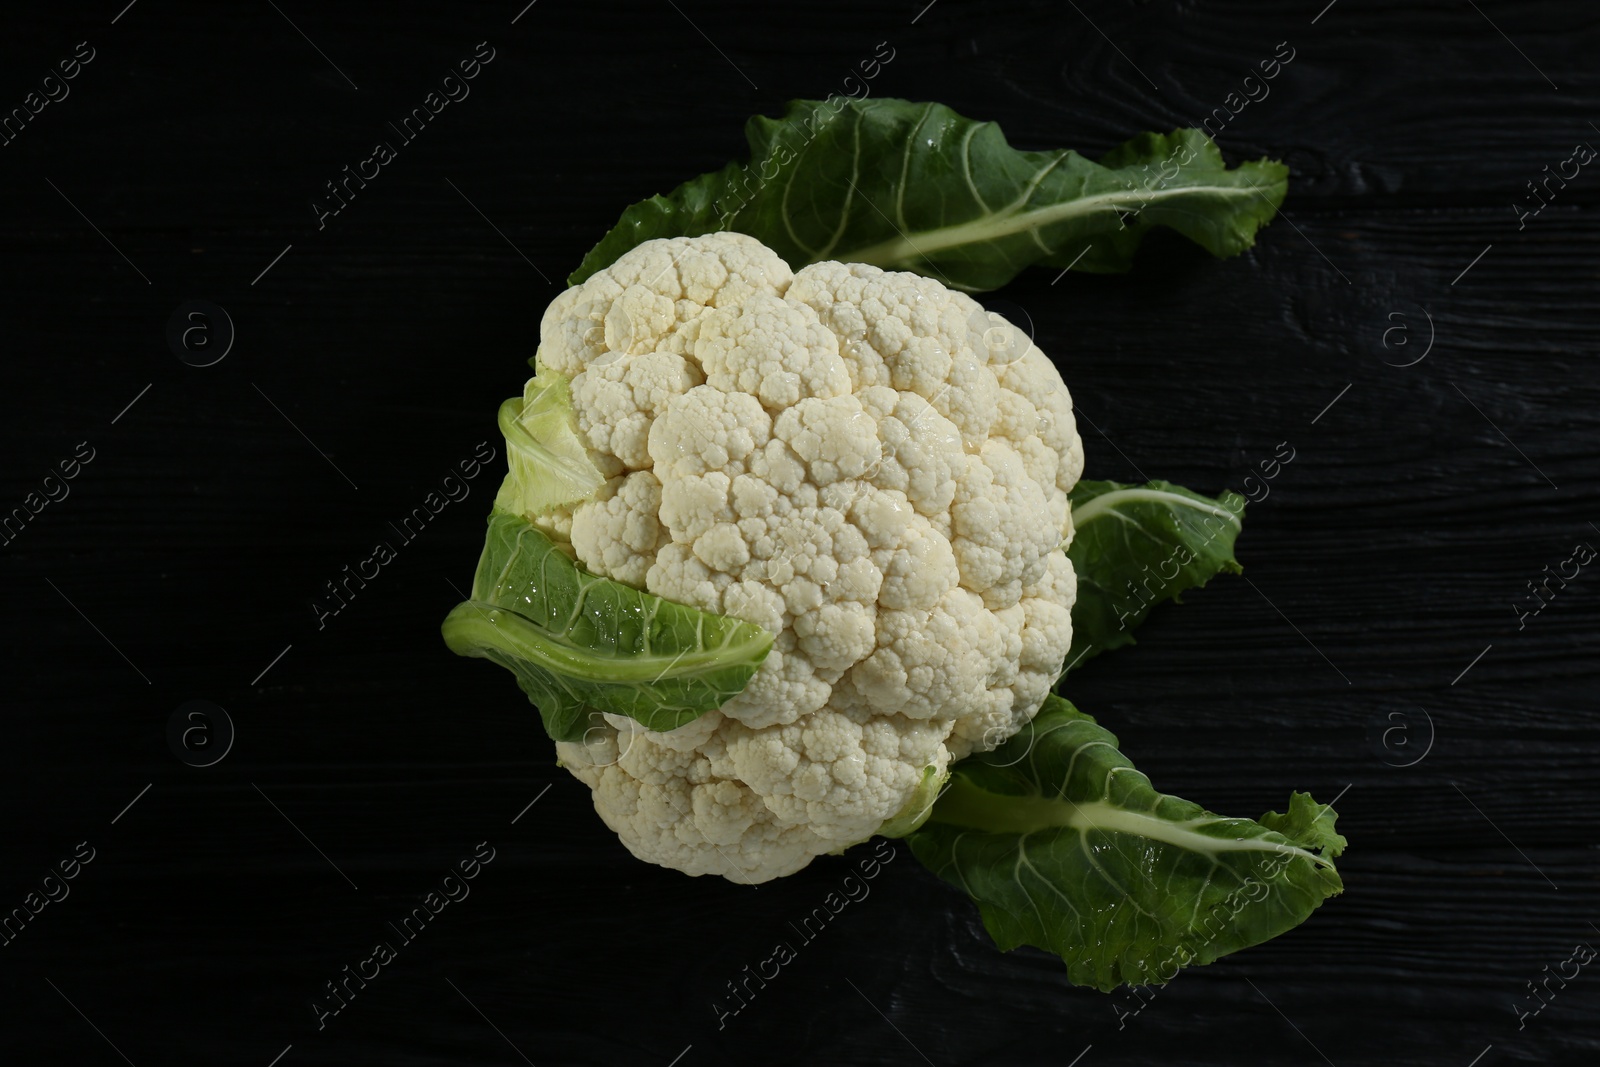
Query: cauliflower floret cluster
point(863, 462)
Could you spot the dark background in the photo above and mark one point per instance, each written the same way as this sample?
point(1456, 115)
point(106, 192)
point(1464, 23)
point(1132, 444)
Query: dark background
point(1386, 561)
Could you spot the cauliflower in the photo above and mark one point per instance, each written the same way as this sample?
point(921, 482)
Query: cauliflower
point(863, 462)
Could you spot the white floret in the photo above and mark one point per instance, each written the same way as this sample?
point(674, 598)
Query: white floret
point(852, 459)
point(1003, 524)
point(834, 437)
point(618, 533)
point(618, 401)
point(771, 349)
point(705, 429)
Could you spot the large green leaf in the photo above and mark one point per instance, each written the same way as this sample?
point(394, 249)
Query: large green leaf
point(1064, 846)
point(579, 643)
point(915, 186)
point(1135, 546)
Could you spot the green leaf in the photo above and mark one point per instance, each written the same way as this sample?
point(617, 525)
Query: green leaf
point(550, 466)
point(1064, 846)
point(579, 643)
point(915, 186)
point(1135, 546)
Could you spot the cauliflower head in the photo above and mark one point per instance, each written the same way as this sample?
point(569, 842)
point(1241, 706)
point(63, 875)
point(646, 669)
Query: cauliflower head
point(863, 462)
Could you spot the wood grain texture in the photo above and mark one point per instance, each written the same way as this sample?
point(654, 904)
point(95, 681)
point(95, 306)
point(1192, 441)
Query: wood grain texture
point(1387, 557)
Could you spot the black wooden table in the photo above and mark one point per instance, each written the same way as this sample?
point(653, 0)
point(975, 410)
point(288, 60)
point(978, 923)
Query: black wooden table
point(1419, 327)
